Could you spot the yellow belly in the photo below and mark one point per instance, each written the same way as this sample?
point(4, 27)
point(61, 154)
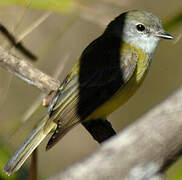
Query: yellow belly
point(116, 100)
point(122, 95)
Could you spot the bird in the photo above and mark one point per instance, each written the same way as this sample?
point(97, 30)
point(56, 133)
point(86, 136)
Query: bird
point(109, 71)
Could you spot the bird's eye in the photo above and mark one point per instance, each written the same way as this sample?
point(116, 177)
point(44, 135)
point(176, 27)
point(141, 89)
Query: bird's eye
point(140, 27)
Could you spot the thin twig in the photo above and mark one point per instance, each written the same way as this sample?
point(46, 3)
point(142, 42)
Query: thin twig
point(14, 43)
point(33, 165)
point(38, 102)
point(27, 72)
point(34, 26)
point(21, 16)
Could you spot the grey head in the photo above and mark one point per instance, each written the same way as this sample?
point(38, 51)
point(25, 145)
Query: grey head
point(139, 28)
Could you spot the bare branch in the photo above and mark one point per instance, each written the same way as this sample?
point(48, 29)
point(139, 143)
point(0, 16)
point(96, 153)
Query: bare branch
point(141, 152)
point(27, 72)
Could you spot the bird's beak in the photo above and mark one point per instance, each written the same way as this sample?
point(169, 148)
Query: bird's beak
point(164, 35)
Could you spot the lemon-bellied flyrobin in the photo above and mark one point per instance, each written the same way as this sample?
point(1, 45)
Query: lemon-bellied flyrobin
point(107, 74)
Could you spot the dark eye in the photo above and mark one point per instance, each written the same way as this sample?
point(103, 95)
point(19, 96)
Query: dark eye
point(140, 27)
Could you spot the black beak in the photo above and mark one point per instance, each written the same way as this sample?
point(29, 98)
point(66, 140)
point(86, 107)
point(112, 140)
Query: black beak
point(164, 35)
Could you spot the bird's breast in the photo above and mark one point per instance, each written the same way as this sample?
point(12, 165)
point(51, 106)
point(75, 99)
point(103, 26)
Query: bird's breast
point(128, 90)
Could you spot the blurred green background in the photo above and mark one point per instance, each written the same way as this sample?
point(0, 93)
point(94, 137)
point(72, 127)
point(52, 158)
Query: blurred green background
point(58, 42)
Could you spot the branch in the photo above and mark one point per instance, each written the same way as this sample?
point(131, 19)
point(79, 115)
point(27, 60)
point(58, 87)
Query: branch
point(142, 151)
point(27, 72)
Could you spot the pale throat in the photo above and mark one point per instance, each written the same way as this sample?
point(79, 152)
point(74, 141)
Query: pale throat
point(147, 43)
point(145, 47)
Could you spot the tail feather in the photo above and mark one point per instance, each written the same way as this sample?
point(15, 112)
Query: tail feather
point(29, 145)
point(58, 134)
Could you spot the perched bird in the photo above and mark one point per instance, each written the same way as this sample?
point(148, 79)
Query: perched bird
point(107, 74)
